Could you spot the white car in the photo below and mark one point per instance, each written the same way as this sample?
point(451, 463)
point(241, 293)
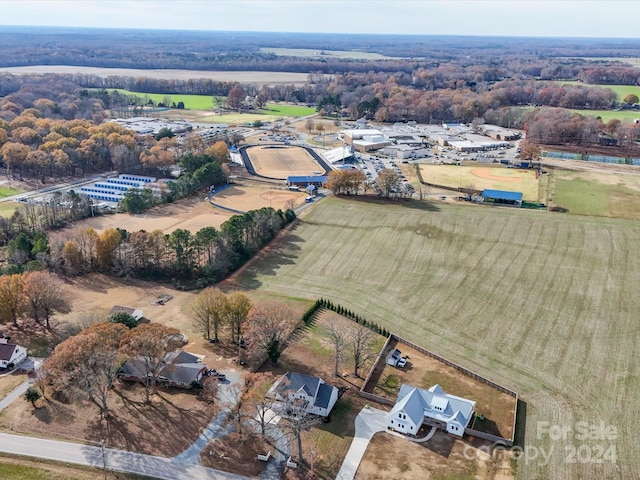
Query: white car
point(402, 362)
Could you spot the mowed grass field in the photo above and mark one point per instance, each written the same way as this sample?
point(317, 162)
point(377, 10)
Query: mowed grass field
point(480, 177)
point(600, 194)
point(544, 303)
point(205, 102)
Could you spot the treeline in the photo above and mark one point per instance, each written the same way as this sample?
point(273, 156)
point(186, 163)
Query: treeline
point(38, 141)
point(194, 260)
point(554, 126)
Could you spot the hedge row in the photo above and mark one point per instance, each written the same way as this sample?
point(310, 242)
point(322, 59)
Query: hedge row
point(340, 310)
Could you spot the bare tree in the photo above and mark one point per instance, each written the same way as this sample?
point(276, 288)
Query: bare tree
point(149, 344)
point(361, 347)
point(338, 335)
point(267, 327)
point(298, 419)
point(44, 296)
point(87, 364)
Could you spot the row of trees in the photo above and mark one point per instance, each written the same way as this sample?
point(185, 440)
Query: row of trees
point(549, 126)
point(37, 295)
point(202, 258)
point(353, 181)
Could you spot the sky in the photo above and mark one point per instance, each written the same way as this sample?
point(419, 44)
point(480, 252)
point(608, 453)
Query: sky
point(540, 18)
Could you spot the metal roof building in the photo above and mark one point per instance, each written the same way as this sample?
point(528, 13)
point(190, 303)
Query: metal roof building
point(503, 196)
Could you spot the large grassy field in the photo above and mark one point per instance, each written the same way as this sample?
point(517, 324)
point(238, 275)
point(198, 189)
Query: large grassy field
point(205, 102)
point(600, 194)
point(481, 176)
point(544, 303)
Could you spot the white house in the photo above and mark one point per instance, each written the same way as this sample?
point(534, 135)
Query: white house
point(10, 353)
point(312, 393)
point(416, 406)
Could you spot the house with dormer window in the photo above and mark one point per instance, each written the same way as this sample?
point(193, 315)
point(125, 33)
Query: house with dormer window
point(416, 407)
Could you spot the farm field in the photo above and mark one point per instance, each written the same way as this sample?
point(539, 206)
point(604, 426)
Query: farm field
point(257, 77)
point(307, 52)
point(480, 177)
point(542, 303)
point(282, 161)
point(593, 193)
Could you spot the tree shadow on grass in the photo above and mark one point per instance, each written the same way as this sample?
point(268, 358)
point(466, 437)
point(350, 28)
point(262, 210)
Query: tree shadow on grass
point(400, 202)
point(140, 425)
point(281, 251)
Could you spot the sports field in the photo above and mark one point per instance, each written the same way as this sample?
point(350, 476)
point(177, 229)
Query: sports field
point(196, 213)
point(480, 177)
point(597, 193)
point(282, 161)
point(543, 303)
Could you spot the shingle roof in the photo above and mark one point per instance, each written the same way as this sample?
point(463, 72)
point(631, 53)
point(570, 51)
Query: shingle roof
point(296, 381)
point(324, 395)
point(6, 351)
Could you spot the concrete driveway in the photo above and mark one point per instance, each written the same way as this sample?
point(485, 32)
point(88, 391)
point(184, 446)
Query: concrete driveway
point(368, 422)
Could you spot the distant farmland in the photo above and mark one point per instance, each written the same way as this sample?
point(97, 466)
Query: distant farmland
point(544, 303)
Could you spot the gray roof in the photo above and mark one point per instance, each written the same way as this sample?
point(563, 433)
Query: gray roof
point(412, 405)
point(297, 381)
point(180, 367)
point(324, 395)
point(433, 403)
point(6, 351)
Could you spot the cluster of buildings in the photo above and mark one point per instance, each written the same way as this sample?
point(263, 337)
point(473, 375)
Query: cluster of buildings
point(152, 126)
point(113, 189)
point(411, 140)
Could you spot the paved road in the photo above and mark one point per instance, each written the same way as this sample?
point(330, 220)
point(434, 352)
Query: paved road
point(368, 422)
point(14, 394)
point(118, 460)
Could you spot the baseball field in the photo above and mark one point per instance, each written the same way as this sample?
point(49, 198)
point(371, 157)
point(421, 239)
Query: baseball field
point(543, 303)
point(480, 177)
point(277, 161)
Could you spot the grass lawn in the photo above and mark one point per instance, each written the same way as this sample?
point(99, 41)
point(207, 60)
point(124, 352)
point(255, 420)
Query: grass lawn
point(605, 115)
point(192, 102)
point(599, 194)
point(288, 110)
point(543, 303)
point(10, 382)
point(24, 468)
point(7, 208)
point(7, 191)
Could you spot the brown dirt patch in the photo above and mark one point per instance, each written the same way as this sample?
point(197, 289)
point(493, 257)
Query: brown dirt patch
point(442, 457)
point(236, 454)
point(282, 161)
point(190, 214)
point(423, 371)
point(245, 197)
point(488, 174)
point(175, 416)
